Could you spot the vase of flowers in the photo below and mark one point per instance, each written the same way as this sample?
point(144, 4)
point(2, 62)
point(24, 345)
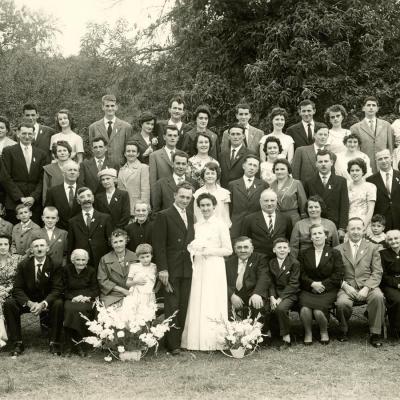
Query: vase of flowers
point(240, 337)
point(126, 333)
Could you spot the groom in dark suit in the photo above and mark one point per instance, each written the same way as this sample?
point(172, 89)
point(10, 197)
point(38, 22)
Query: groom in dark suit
point(173, 234)
point(37, 289)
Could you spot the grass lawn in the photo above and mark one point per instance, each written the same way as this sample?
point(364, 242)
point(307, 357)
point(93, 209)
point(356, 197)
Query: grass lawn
point(352, 370)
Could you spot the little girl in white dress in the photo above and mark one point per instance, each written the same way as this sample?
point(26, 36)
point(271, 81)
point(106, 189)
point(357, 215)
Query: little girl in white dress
point(141, 280)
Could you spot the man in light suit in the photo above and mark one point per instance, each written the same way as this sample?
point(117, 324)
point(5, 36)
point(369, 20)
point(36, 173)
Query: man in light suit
point(23, 174)
point(245, 193)
point(387, 182)
point(116, 131)
point(176, 111)
point(42, 133)
point(305, 157)
point(375, 133)
point(303, 133)
point(252, 135)
point(91, 167)
point(362, 277)
point(264, 226)
point(332, 189)
point(231, 159)
point(160, 161)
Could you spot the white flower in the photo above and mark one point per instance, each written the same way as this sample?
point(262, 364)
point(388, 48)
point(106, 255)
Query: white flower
point(121, 349)
point(108, 358)
point(121, 334)
point(2, 343)
point(93, 341)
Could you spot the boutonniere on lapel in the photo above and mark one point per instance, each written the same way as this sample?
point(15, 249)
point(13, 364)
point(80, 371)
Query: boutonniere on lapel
point(92, 219)
point(326, 254)
point(116, 130)
point(250, 265)
point(397, 180)
point(46, 274)
point(330, 187)
point(34, 159)
point(115, 199)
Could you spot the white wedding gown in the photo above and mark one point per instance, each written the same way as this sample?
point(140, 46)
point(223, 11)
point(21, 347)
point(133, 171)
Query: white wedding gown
point(208, 294)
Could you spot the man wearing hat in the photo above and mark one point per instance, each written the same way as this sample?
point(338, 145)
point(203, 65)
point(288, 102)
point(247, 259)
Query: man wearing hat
point(112, 201)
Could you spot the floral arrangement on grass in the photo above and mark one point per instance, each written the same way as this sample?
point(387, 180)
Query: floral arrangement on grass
point(122, 330)
point(243, 335)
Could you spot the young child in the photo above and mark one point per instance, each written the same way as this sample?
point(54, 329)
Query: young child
point(23, 231)
point(56, 238)
point(141, 280)
point(5, 226)
point(284, 273)
point(377, 235)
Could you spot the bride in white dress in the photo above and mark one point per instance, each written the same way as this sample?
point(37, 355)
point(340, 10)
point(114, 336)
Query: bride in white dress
point(208, 294)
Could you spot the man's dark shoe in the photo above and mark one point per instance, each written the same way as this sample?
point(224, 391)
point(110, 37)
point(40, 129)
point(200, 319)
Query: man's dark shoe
point(176, 352)
point(55, 349)
point(18, 349)
point(375, 340)
point(343, 337)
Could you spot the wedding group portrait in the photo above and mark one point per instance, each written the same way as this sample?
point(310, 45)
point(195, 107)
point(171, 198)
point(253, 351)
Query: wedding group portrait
point(199, 199)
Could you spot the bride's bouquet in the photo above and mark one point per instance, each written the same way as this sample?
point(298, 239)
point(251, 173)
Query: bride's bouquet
point(197, 247)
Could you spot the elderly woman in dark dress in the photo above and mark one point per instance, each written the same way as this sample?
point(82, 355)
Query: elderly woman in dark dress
point(321, 273)
point(114, 268)
point(390, 284)
point(80, 285)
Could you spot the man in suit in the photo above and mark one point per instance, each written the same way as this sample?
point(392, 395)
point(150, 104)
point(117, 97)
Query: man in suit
point(114, 130)
point(387, 182)
point(42, 133)
point(23, 173)
point(163, 191)
point(91, 167)
point(305, 157)
point(37, 289)
point(63, 197)
point(247, 278)
point(160, 161)
point(231, 159)
point(375, 133)
point(252, 135)
point(303, 132)
point(89, 230)
point(332, 189)
point(113, 201)
point(264, 226)
point(173, 234)
point(362, 277)
point(245, 193)
point(176, 111)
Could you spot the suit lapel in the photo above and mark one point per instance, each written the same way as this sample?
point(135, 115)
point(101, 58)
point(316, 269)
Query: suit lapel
point(241, 187)
point(171, 183)
point(238, 155)
point(365, 127)
point(115, 265)
point(101, 129)
point(261, 222)
point(178, 219)
point(19, 154)
point(361, 251)
point(348, 253)
point(165, 156)
point(312, 157)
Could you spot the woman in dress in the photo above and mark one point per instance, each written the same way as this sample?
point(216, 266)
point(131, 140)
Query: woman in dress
point(80, 291)
point(8, 268)
point(210, 175)
point(300, 238)
point(352, 143)
point(272, 150)
point(278, 117)
point(202, 116)
point(362, 194)
point(321, 274)
point(291, 195)
point(65, 123)
point(334, 117)
point(390, 284)
point(134, 176)
point(208, 293)
point(396, 128)
point(113, 270)
point(5, 141)
point(53, 174)
point(145, 140)
point(202, 143)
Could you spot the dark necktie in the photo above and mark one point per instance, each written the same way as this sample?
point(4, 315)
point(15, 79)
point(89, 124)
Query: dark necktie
point(39, 273)
point(388, 183)
point(88, 220)
point(309, 134)
point(270, 225)
point(109, 129)
point(71, 196)
point(233, 154)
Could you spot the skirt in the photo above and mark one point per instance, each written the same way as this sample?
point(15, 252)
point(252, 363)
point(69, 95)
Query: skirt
point(323, 301)
point(73, 319)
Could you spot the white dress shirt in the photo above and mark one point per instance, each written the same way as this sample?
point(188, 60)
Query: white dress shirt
point(248, 182)
point(266, 218)
point(66, 188)
point(305, 125)
point(107, 120)
point(178, 179)
point(182, 213)
point(178, 124)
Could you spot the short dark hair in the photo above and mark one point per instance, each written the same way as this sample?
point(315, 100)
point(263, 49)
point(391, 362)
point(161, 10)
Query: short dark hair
point(212, 166)
point(244, 106)
point(178, 99)
point(199, 135)
point(180, 153)
point(277, 111)
point(378, 218)
point(316, 199)
point(108, 97)
point(236, 125)
point(70, 119)
point(284, 162)
point(184, 185)
point(62, 143)
point(206, 195)
point(352, 136)
point(251, 156)
point(147, 116)
point(29, 106)
point(313, 226)
point(99, 139)
point(325, 152)
point(357, 161)
point(321, 126)
point(279, 240)
point(241, 239)
point(20, 207)
point(334, 109)
point(6, 122)
point(25, 123)
point(4, 236)
point(305, 103)
point(83, 189)
point(132, 143)
point(370, 98)
point(272, 139)
point(143, 248)
point(203, 108)
point(171, 128)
